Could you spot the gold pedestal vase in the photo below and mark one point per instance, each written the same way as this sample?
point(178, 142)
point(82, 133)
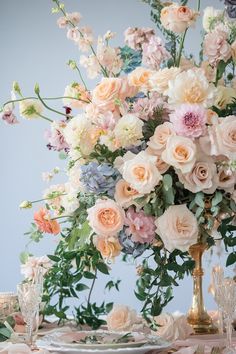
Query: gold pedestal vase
point(197, 316)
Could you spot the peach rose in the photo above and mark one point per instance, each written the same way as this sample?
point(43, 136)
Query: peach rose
point(108, 247)
point(125, 194)
point(121, 318)
point(177, 228)
point(45, 224)
point(180, 153)
point(177, 18)
point(106, 217)
point(105, 94)
point(141, 173)
point(161, 165)
point(159, 79)
point(161, 135)
point(201, 177)
point(140, 78)
point(226, 137)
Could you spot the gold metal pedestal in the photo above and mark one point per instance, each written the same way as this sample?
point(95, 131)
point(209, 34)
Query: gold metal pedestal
point(197, 316)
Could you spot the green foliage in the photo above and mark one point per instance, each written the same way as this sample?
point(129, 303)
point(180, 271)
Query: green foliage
point(89, 315)
point(102, 154)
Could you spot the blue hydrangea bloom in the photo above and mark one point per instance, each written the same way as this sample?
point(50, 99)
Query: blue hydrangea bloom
point(130, 247)
point(99, 178)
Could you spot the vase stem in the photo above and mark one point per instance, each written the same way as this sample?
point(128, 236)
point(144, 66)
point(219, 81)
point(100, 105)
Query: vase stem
point(198, 317)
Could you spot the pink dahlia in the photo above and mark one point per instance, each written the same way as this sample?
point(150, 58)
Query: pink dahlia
point(140, 227)
point(189, 120)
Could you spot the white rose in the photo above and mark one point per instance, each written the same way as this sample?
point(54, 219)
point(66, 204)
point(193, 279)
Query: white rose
point(141, 172)
point(159, 79)
point(180, 152)
point(177, 228)
point(30, 108)
point(121, 318)
point(165, 321)
point(128, 130)
point(226, 137)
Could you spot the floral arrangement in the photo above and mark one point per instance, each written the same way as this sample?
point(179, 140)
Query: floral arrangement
point(151, 158)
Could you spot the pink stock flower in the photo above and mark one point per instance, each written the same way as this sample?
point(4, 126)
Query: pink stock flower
point(189, 120)
point(136, 37)
point(70, 18)
point(147, 108)
point(140, 226)
point(216, 47)
point(154, 53)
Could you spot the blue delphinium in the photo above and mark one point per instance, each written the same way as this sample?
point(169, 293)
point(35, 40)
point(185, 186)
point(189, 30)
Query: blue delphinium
point(99, 178)
point(130, 247)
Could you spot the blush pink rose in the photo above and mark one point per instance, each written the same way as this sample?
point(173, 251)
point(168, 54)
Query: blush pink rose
point(106, 217)
point(125, 194)
point(121, 318)
point(161, 135)
point(177, 228)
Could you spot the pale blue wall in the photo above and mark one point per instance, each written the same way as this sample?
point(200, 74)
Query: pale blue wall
point(34, 49)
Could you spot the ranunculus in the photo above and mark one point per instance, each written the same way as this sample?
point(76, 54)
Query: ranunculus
point(106, 217)
point(180, 153)
point(191, 86)
point(161, 135)
point(30, 108)
point(107, 92)
point(177, 18)
point(79, 97)
point(128, 130)
point(209, 14)
point(201, 177)
point(189, 120)
point(216, 46)
point(109, 247)
point(141, 227)
point(140, 78)
point(121, 318)
point(177, 228)
point(141, 173)
point(125, 194)
point(159, 79)
point(45, 223)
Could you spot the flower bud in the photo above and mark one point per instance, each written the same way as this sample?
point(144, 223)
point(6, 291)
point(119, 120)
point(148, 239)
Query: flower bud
point(26, 204)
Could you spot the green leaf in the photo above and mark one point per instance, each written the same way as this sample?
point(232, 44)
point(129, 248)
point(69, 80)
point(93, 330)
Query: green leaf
point(231, 259)
point(24, 256)
point(167, 182)
point(81, 287)
point(140, 297)
point(89, 275)
point(156, 307)
point(102, 267)
point(53, 258)
point(199, 200)
point(63, 155)
point(217, 198)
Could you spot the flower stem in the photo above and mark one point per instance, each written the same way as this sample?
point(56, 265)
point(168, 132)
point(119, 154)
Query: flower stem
point(199, 5)
point(81, 77)
point(49, 198)
point(51, 109)
point(91, 288)
point(45, 118)
point(181, 48)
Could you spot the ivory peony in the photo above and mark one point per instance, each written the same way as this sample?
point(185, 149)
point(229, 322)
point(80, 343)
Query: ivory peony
point(177, 228)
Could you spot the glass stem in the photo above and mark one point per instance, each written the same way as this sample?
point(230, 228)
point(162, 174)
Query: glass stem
point(220, 321)
point(229, 332)
point(29, 332)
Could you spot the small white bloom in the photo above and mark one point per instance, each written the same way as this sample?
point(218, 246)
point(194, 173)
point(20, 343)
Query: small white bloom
point(30, 108)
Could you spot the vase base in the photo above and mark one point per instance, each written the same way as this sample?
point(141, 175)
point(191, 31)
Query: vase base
point(200, 328)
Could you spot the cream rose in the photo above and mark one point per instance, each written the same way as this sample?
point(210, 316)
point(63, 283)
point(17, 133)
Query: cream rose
point(140, 78)
point(180, 153)
point(141, 172)
point(225, 95)
point(106, 93)
point(106, 217)
point(227, 181)
point(121, 318)
point(125, 194)
point(191, 86)
point(173, 327)
point(159, 79)
point(201, 177)
point(109, 247)
point(177, 228)
point(161, 135)
point(226, 137)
